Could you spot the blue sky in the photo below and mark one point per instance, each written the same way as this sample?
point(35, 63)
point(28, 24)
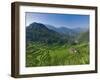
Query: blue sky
point(58, 20)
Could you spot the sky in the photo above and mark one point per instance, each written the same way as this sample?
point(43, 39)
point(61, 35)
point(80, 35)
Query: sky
point(58, 20)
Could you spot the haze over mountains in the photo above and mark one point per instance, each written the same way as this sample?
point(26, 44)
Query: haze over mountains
point(51, 34)
point(66, 30)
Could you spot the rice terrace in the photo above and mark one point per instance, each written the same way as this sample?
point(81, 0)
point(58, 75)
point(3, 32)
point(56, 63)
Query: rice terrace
point(56, 39)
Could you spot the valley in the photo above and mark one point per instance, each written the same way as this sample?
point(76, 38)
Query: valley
point(52, 47)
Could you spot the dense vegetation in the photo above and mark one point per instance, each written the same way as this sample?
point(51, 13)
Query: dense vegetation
point(47, 47)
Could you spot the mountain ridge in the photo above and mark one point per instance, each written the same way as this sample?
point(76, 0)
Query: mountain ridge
point(50, 34)
point(39, 32)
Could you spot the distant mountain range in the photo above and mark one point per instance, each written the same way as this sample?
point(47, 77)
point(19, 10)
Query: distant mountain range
point(49, 34)
point(62, 30)
point(66, 30)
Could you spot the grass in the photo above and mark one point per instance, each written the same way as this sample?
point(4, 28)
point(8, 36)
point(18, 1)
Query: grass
point(38, 54)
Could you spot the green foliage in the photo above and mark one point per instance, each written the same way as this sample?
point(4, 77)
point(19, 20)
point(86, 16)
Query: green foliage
point(52, 55)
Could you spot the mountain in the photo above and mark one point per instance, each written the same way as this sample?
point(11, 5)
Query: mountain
point(38, 32)
point(67, 31)
point(62, 30)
